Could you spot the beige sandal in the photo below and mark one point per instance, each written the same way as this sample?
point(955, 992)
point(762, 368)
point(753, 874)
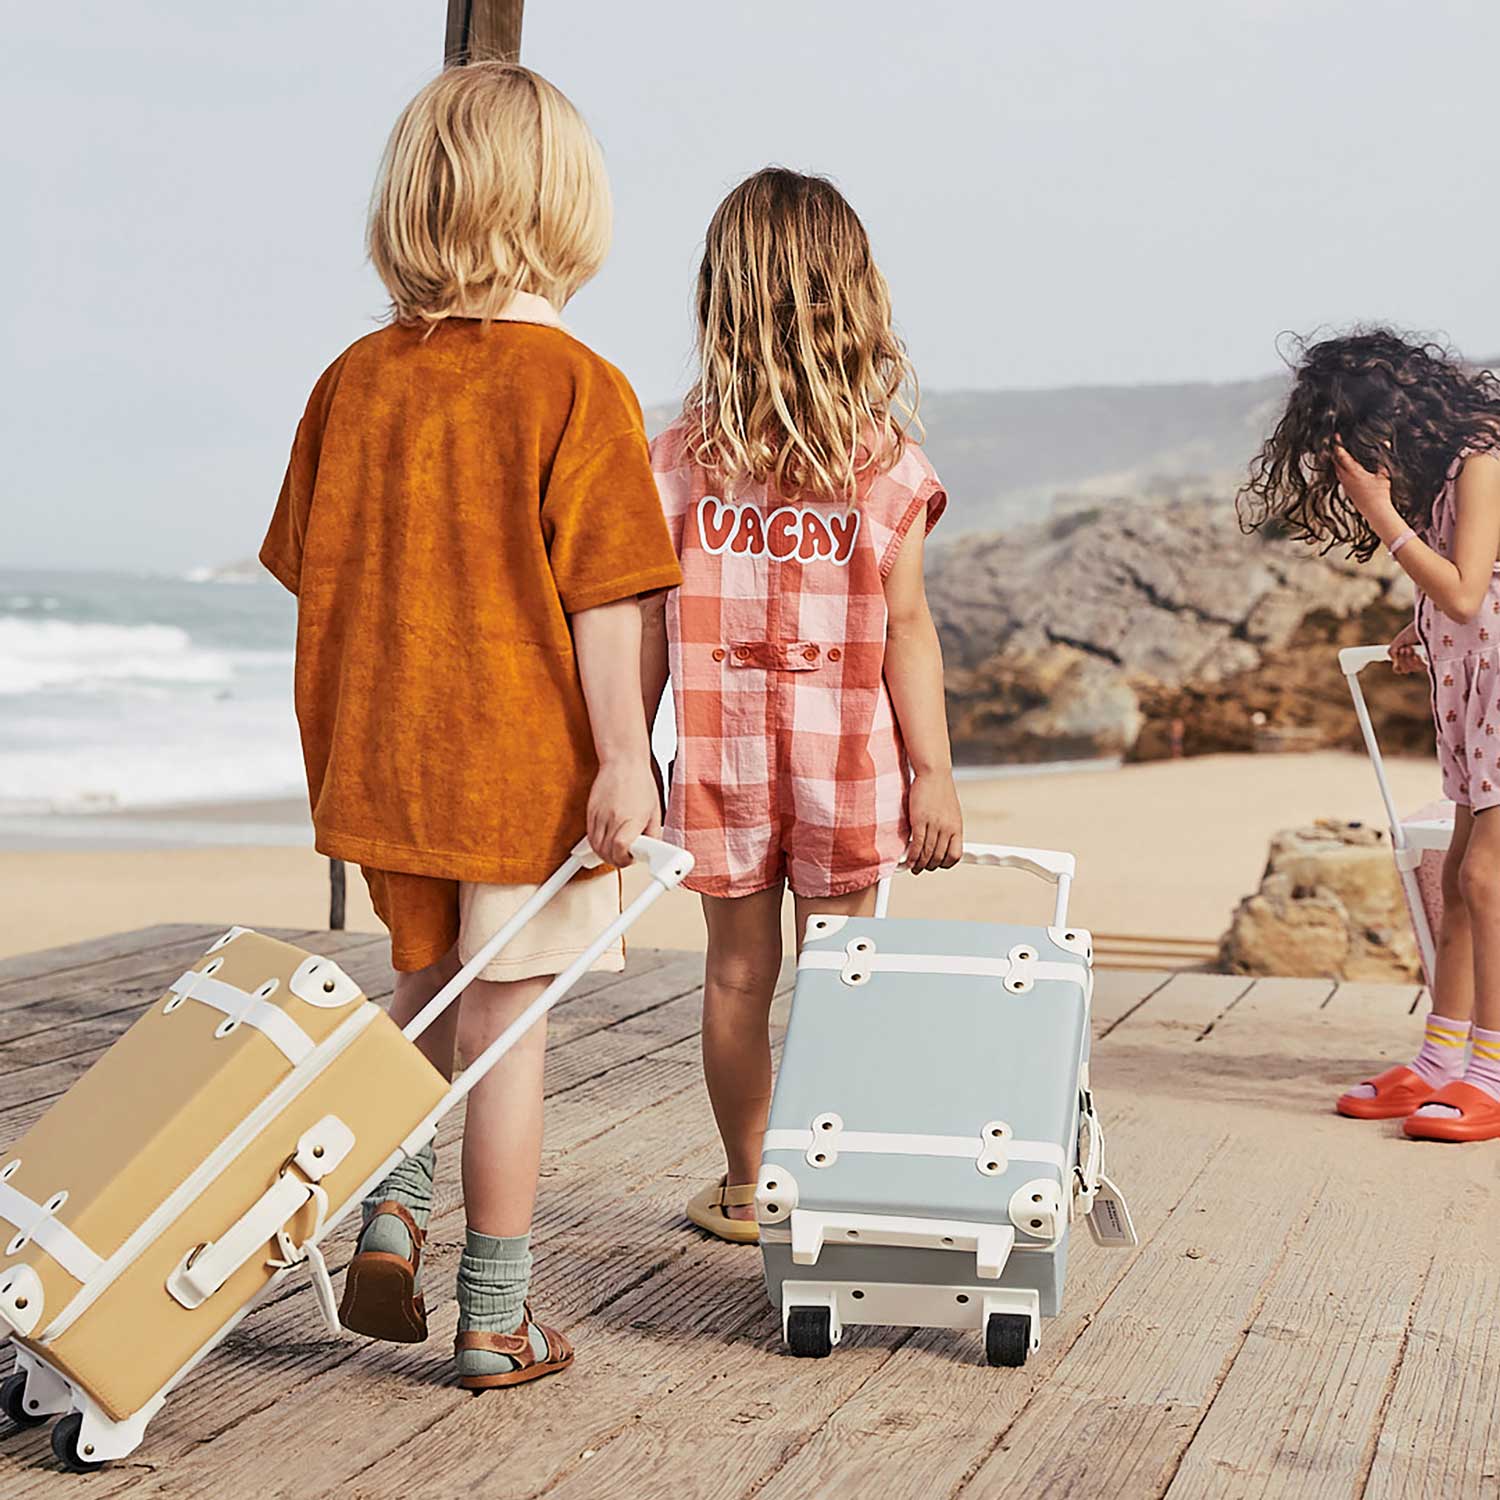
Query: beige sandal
point(706, 1210)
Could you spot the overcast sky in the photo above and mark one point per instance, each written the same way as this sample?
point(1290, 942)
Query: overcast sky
point(1059, 194)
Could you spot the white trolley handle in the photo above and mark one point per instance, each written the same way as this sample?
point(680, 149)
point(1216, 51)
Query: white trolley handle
point(1352, 661)
point(1047, 864)
point(668, 864)
point(669, 867)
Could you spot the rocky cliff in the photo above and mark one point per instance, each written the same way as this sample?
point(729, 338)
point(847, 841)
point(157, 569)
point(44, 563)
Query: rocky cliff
point(1118, 629)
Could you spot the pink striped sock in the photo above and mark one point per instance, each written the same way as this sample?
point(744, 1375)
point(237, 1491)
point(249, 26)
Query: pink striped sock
point(1484, 1067)
point(1441, 1059)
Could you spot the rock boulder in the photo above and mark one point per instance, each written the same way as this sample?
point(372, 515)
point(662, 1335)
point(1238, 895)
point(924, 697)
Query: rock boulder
point(1329, 906)
point(1183, 620)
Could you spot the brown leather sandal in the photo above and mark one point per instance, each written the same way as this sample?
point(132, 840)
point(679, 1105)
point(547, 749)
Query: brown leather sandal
point(380, 1296)
point(516, 1346)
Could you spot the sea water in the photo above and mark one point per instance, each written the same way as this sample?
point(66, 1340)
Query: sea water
point(122, 692)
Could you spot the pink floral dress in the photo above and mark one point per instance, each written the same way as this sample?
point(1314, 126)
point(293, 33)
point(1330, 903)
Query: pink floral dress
point(1465, 666)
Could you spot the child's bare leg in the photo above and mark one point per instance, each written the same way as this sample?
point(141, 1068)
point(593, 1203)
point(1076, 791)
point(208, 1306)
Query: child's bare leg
point(501, 1158)
point(739, 979)
point(1479, 880)
point(413, 991)
point(1445, 1038)
point(382, 1293)
point(1453, 984)
point(503, 1128)
point(1479, 885)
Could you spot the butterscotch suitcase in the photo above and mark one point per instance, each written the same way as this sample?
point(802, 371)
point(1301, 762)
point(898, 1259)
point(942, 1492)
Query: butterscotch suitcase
point(202, 1158)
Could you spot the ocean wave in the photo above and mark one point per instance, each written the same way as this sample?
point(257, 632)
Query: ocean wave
point(38, 654)
point(104, 779)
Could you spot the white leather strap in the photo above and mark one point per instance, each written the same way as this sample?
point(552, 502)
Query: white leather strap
point(243, 1008)
point(873, 961)
point(205, 1268)
point(884, 1143)
point(36, 1223)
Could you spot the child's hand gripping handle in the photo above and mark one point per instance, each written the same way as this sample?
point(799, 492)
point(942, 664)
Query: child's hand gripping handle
point(1048, 864)
point(669, 867)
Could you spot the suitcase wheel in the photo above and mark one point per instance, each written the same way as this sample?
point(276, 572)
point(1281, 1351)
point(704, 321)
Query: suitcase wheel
point(807, 1332)
point(13, 1402)
point(65, 1445)
point(1007, 1339)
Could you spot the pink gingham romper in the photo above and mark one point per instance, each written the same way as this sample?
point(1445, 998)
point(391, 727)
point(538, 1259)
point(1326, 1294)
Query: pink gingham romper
point(1465, 667)
point(789, 759)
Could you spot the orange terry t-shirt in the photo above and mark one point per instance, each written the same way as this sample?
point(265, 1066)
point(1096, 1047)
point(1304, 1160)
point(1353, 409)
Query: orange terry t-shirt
point(450, 501)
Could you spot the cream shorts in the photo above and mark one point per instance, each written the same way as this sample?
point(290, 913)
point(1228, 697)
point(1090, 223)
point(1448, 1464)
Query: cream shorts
point(427, 915)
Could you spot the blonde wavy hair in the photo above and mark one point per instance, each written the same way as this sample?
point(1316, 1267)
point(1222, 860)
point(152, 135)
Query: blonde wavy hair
point(803, 384)
point(491, 184)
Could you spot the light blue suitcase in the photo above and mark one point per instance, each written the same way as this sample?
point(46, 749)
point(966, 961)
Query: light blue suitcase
point(932, 1134)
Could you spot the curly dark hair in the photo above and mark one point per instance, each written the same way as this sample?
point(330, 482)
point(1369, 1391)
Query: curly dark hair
point(1405, 408)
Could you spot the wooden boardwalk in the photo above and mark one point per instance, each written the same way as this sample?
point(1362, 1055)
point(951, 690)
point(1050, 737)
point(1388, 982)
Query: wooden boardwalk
point(1310, 1312)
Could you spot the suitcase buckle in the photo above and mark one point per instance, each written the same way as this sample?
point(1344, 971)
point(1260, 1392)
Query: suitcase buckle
point(857, 967)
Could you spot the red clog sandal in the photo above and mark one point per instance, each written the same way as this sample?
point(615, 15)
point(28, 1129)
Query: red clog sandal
point(1478, 1118)
point(1398, 1092)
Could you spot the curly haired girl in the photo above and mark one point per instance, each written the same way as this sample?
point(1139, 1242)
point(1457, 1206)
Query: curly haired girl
point(1386, 441)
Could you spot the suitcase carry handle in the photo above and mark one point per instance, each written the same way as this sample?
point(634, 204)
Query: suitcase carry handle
point(1047, 864)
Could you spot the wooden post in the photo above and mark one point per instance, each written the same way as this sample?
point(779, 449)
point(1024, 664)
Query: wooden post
point(482, 31)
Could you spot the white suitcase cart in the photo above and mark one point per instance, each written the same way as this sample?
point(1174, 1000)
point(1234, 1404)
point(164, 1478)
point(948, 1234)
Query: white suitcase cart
point(1418, 841)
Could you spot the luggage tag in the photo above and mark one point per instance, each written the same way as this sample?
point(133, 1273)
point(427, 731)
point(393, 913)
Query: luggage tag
point(1109, 1218)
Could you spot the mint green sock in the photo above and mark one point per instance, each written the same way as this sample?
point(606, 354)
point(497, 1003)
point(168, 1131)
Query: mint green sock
point(494, 1275)
point(410, 1185)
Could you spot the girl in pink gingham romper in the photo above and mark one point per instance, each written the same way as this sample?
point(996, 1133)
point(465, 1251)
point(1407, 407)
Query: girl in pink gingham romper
point(790, 765)
point(1395, 442)
point(812, 747)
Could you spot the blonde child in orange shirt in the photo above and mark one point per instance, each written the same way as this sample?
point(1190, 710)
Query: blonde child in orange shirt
point(468, 521)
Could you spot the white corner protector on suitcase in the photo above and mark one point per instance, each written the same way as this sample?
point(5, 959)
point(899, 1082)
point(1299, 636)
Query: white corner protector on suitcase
point(243, 1007)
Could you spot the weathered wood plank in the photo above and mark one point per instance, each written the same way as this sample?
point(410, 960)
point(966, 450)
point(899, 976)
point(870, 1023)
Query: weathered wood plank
point(1186, 1007)
point(1117, 992)
point(1179, 1366)
point(1279, 1052)
point(54, 961)
point(1124, 1402)
point(928, 1413)
point(92, 1030)
point(1441, 1434)
point(26, 1092)
point(90, 1017)
point(1300, 1409)
point(1376, 1001)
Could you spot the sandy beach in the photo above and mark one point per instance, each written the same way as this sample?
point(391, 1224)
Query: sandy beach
point(1164, 849)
